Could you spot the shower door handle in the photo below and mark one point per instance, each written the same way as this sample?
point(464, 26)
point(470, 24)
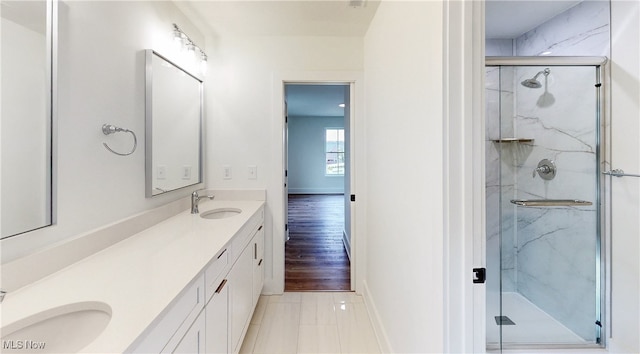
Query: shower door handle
point(619, 173)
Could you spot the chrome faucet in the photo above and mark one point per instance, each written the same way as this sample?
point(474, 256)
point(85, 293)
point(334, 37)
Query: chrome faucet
point(2, 294)
point(195, 198)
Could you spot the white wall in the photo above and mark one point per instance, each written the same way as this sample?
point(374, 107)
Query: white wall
point(625, 130)
point(246, 117)
point(307, 166)
point(404, 80)
point(101, 80)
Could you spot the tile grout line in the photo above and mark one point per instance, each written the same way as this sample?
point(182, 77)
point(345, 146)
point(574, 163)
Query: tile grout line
point(335, 314)
point(299, 324)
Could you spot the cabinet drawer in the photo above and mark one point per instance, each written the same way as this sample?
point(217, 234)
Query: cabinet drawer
point(193, 341)
point(173, 323)
point(214, 271)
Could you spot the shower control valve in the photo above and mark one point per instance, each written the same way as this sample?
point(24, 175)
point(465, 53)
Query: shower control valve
point(546, 169)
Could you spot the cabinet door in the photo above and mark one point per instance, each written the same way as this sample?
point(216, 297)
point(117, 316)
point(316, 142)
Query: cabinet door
point(217, 311)
point(194, 340)
point(240, 281)
point(258, 265)
point(174, 322)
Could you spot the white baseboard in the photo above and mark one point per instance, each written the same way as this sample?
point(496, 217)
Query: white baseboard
point(615, 347)
point(347, 244)
point(376, 322)
point(316, 190)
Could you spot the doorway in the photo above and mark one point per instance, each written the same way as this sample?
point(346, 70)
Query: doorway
point(317, 198)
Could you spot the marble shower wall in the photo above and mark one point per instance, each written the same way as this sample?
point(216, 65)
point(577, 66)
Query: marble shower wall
point(556, 247)
point(583, 30)
point(548, 254)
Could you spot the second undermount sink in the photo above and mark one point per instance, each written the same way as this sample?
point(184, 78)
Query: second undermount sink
point(220, 213)
point(64, 329)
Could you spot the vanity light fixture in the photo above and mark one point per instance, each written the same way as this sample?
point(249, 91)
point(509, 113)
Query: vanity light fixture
point(203, 63)
point(177, 37)
point(184, 41)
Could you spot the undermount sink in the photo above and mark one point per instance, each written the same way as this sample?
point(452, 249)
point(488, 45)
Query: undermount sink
point(64, 329)
point(220, 213)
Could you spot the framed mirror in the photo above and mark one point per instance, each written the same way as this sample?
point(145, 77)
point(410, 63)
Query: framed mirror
point(173, 126)
point(27, 104)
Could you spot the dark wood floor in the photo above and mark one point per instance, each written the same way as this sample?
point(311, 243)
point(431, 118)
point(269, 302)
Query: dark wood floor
point(315, 258)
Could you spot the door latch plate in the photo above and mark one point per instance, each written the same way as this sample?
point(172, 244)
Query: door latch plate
point(479, 275)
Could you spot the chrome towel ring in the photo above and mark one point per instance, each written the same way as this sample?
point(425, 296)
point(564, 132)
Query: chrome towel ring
point(112, 129)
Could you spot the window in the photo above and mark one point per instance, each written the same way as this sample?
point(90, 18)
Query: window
point(334, 151)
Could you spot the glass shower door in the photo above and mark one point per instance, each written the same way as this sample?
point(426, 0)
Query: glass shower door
point(545, 143)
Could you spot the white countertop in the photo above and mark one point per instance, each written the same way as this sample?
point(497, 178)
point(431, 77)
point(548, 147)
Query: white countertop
point(137, 277)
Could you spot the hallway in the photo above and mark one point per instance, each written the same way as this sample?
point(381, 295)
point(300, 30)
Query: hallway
point(315, 258)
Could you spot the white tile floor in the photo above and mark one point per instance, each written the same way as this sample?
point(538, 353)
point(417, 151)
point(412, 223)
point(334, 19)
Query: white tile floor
point(310, 322)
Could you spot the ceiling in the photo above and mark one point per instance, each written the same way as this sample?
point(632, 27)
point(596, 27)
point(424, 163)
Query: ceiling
point(504, 19)
point(315, 100)
point(284, 18)
point(31, 14)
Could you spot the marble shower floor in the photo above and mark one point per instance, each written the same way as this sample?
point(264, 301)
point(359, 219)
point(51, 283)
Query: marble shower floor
point(532, 325)
point(310, 322)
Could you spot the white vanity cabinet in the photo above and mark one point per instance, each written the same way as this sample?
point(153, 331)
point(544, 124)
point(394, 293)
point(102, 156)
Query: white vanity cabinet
point(213, 313)
point(167, 333)
point(240, 297)
point(258, 264)
point(193, 340)
point(217, 320)
point(217, 307)
point(246, 279)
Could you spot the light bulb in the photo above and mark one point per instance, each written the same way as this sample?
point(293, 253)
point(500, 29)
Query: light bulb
point(191, 53)
point(177, 40)
point(203, 65)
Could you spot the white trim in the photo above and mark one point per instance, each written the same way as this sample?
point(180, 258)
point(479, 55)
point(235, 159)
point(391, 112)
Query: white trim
point(316, 190)
point(463, 176)
point(347, 244)
point(274, 280)
point(376, 321)
point(478, 240)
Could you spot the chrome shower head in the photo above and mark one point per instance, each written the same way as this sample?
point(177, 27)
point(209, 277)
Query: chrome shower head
point(533, 82)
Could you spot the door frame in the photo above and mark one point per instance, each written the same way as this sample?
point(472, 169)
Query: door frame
point(464, 176)
point(275, 285)
point(347, 183)
point(464, 42)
